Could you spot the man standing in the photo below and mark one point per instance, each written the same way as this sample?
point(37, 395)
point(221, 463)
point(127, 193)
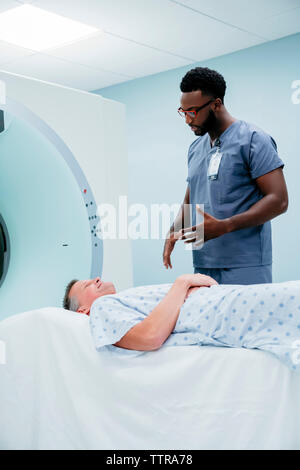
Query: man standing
point(235, 171)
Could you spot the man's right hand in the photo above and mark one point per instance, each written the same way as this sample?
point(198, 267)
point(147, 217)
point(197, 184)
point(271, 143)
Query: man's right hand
point(169, 247)
point(197, 280)
point(175, 233)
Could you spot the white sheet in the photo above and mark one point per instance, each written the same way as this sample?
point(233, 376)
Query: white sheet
point(57, 392)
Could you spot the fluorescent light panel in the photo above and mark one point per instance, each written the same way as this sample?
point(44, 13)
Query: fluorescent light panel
point(36, 29)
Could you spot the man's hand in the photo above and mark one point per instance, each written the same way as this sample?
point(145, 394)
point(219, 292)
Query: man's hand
point(192, 290)
point(196, 280)
point(171, 239)
point(208, 229)
point(193, 282)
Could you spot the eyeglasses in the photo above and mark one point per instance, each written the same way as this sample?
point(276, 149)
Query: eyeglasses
point(193, 113)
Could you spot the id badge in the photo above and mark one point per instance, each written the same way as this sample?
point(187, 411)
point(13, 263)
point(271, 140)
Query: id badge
point(214, 164)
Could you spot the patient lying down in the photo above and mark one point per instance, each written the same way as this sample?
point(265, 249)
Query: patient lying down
point(196, 310)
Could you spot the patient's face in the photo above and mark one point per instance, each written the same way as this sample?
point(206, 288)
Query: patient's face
point(90, 289)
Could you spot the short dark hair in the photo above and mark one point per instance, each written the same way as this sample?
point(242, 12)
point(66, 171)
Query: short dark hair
point(208, 81)
point(70, 303)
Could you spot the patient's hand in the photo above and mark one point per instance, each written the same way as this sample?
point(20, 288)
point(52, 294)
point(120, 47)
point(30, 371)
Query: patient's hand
point(197, 280)
point(200, 279)
point(192, 290)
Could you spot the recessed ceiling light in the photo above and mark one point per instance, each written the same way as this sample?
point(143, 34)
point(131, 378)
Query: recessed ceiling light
point(36, 29)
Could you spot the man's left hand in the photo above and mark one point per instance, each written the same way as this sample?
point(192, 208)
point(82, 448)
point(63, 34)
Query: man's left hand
point(208, 229)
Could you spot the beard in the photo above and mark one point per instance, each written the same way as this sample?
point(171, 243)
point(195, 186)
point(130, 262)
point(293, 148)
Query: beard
point(208, 125)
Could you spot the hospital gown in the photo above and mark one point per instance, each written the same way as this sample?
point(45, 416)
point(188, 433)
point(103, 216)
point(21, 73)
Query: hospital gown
point(259, 316)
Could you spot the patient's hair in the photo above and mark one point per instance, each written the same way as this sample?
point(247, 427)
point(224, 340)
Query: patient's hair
point(207, 80)
point(70, 303)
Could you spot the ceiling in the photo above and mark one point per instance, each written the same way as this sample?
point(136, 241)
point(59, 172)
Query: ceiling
point(144, 37)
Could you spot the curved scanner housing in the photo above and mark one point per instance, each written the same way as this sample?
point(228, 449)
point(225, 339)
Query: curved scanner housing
point(62, 153)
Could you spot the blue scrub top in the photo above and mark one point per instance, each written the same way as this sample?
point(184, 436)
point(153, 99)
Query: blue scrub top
point(247, 153)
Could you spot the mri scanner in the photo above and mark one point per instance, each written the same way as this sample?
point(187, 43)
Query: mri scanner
point(62, 154)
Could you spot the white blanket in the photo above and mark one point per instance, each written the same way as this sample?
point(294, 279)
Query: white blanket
point(57, 392)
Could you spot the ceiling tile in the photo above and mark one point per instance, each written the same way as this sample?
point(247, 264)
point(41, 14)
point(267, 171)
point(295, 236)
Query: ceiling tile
point(241, 14)
point(8, 52)
point(281, 25)
point(64, 73)
point(162, 24)
point(143, 37)
point(117, 55)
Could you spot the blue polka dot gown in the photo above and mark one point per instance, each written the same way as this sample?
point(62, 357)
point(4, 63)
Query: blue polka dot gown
point(259, 316)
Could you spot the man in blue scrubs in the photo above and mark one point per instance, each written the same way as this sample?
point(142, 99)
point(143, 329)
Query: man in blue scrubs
point(233, 170)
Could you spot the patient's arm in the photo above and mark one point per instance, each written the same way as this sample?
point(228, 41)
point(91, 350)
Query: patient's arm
point(152, 332)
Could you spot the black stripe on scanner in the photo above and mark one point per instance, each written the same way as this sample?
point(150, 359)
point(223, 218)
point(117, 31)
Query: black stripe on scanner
point(1, 121)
